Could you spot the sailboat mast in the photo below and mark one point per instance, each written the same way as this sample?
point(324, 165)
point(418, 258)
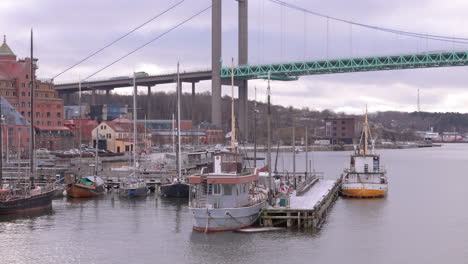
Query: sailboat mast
point(179, 172)
point(366, 128)
point(294, 146)
point(306, 151)
point(269, 134)
point(32, 141)
point(233, 116)
point(134, 124)
point(173, 134)
point(96, 153)
point(80, 124)
point(255, 129)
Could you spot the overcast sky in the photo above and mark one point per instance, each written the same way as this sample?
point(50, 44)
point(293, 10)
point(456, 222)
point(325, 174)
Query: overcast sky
point(67, 31)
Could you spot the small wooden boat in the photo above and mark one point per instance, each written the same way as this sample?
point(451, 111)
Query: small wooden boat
point(90, 186)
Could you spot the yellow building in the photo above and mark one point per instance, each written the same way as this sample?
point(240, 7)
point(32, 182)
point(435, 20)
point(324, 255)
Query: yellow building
point(117, 136)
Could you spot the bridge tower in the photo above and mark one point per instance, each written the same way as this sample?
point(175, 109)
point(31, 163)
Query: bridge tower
point(216, 62)
point(243, 59)
point(216, 53)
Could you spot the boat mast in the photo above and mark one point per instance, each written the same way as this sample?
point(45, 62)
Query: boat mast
point(306, 152)
point(96, 154)
point(255, 129)
point(80, 124)
point(366, 128)
point(269, 133)
point(179, 171)
point(233, 116)
point(294, 147)
point(134, 125)
point(173, 134)
point(31, 88)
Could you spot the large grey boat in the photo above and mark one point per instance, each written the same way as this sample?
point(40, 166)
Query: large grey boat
point(226, 198)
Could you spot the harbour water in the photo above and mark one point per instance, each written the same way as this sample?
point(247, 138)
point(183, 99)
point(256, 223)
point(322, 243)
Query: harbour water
point(423, 220)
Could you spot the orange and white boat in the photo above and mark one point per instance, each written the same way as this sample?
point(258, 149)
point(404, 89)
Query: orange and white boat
point(365, 177)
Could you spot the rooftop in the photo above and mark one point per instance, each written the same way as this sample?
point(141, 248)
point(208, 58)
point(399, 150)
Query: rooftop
point(5, 49)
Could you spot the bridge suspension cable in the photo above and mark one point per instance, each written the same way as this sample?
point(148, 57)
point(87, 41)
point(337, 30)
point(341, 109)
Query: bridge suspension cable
point(149, 42)
point(120, 38)
point(389, 30)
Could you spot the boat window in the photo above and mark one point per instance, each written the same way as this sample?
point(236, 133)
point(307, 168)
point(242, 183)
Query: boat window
point(227, 189)
point(366, 167)
point(217, 189)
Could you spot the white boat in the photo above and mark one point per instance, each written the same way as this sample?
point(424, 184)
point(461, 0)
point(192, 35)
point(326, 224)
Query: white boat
point(227, 197)
point(365, 177)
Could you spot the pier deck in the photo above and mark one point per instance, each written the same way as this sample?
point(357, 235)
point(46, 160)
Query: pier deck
point(306, 211)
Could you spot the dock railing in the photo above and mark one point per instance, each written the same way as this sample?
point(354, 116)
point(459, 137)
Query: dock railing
point(307, 182)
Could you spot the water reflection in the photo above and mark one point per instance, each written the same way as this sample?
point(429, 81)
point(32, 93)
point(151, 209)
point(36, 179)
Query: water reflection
point(30, 216)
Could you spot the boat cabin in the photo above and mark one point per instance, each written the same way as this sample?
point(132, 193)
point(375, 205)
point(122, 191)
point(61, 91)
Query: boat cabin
point(365, 163)
point(225, 185)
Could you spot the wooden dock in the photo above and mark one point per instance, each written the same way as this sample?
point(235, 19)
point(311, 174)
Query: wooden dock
point(307, 211)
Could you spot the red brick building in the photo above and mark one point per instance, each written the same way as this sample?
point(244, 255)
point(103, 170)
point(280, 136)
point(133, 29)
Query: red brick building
point(342, 130)
point(87, 127)
point(15, 81)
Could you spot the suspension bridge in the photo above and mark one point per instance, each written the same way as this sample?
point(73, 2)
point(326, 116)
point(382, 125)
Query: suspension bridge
point(284, 71)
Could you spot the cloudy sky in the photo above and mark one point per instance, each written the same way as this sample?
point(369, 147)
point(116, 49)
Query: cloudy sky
point(67, 31)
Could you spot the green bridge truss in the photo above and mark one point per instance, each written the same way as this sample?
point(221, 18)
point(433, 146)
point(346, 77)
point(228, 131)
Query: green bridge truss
point(292, 70)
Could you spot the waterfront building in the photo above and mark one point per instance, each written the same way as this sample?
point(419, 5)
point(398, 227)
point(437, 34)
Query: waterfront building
point(342, 130)
point(117, 135)
point(15, 83)
point(87, 126)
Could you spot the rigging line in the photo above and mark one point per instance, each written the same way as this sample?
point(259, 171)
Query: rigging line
point(149, 42)
point(120, 38)
point(401, 32)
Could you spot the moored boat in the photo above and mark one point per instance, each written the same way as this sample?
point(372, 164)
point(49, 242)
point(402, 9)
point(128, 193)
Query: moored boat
point(12, 202)
point(227, 198)
point(175, 189)
point(365, 177)
point(133, 187)
point(90, 186)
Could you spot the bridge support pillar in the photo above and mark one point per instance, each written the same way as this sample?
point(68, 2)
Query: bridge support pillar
point(243, 60)
point(216, 62)
point(93, 97)
point(67, 98)
point(193, 104)
point(108, 92)
point(148, 103)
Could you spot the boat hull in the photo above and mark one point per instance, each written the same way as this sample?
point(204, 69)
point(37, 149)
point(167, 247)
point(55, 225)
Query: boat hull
point(28, 204)
point(226, 219)
point(364, 190)
point(133, 192)
point(175, 190)
point(84, 191)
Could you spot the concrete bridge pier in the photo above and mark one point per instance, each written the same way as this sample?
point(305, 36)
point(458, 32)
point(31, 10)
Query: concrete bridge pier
point(243, 47)
point(93, 97)
point(148, 103)
point(216, 62)
point(193, 103)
